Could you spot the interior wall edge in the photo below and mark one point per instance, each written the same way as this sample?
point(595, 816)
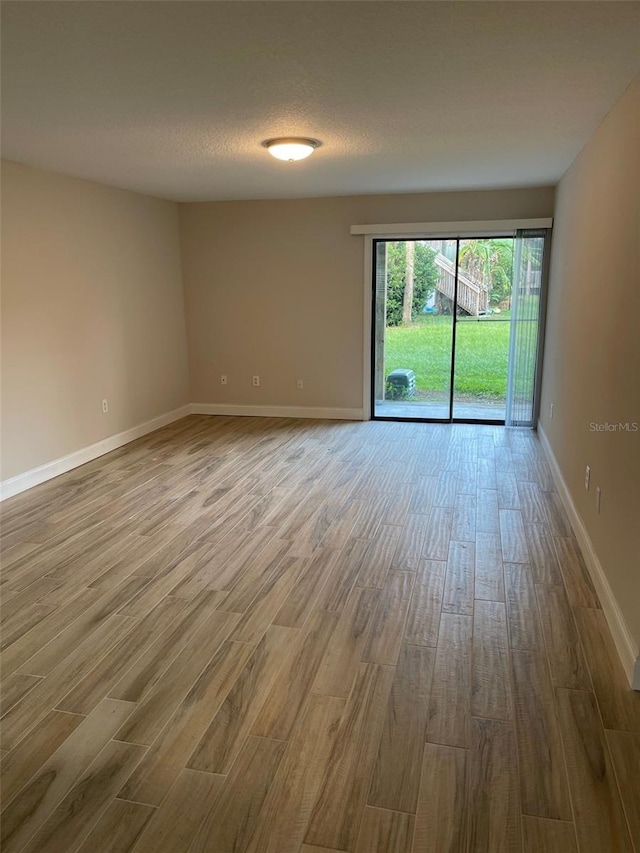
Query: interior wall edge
point(622, 637)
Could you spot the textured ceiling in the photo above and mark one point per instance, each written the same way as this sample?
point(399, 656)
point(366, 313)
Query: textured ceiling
point(174, 98)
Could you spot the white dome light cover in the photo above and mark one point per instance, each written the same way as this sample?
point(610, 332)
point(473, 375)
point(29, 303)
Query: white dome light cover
point(291, 148)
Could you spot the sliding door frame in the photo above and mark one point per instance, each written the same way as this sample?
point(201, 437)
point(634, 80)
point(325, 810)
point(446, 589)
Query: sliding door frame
point(438, 231)
point(542, 321)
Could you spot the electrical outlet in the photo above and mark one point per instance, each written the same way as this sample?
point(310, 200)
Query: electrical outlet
point(551, 411)
point(105, 406)
point(299, 384)
point(256, 381)
point(587, 477)
point(598, 499)
point(223, 380)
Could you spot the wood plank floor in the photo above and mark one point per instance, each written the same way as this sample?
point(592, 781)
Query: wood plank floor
point(295, 636)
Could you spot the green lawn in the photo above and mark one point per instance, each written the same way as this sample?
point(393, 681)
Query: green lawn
point(482, 350)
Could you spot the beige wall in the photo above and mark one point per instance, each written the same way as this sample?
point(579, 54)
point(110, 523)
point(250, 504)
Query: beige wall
point(92, 307)
point(275, 288)
point(592, 355)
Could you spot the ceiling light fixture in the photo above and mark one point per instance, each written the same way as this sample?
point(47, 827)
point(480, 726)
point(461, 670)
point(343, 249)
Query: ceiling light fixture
point(291, 147)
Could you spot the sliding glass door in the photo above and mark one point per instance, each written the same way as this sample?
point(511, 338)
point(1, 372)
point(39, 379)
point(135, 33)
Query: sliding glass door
point(527, 318)
point(456, 328)
point(483, 327)
point(414, 320)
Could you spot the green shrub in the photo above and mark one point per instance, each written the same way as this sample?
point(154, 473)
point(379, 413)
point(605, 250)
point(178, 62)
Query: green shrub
point(425, 278)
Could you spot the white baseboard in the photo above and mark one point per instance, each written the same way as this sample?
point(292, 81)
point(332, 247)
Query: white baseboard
point(21, 482)
point(625, 645)
point(278, 411)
